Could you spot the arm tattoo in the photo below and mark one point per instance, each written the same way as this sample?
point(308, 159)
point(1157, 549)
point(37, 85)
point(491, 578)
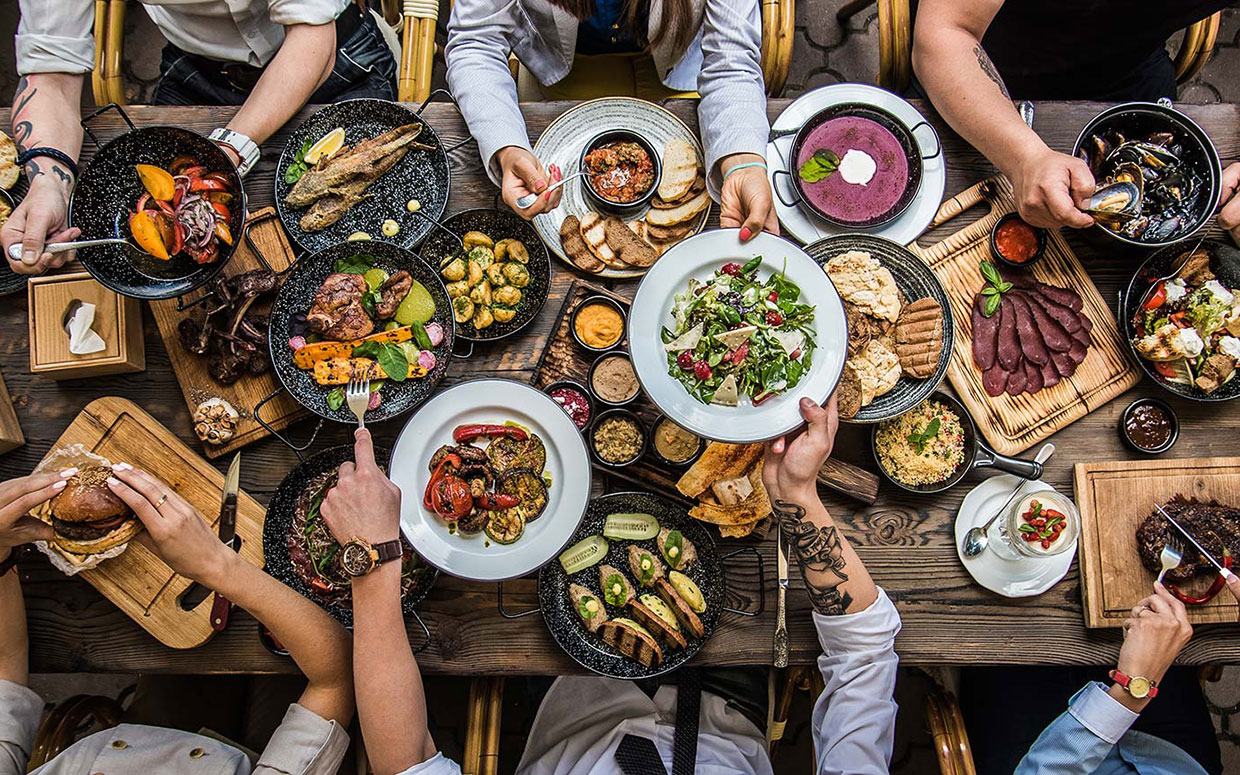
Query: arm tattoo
point(22, 130)
point(820, 555)
point(988, 67)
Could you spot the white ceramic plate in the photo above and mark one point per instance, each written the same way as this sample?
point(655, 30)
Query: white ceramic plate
point(699, 257)
point(1025, 577)
point(807, 227)
point(496, 401)
point(562, 141)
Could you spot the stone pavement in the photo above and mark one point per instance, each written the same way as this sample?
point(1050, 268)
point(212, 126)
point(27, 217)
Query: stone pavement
point(824, 52)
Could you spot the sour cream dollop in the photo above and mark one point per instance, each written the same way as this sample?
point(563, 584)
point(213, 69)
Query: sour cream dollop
point(857, 167)
point(1219, 292)
point(1189, 342)
point(1176, 290)
point(1230, 345)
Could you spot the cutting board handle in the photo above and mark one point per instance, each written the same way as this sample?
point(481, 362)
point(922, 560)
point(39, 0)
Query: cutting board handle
point(982, 192)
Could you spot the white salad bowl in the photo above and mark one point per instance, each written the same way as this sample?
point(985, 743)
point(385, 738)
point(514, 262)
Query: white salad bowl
point(698, 257)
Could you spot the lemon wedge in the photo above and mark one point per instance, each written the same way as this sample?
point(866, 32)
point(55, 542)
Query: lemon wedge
point(326, 147)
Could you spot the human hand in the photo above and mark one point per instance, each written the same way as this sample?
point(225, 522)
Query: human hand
point(17, 497)
point(1051, 189)
point(790, 467)
point(1229, 216)
point(746, 199)
point(174, 529)
point(1233, 583)
point(1153, 636)
point(43, 216)
point(524, 174)
point(364, 503)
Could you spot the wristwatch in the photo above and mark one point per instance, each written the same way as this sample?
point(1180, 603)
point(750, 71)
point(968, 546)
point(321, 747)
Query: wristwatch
point(245, 148)
point(1136, 685)
point(358, 557)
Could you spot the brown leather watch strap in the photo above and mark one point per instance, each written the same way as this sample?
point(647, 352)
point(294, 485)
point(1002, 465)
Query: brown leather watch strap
point(387, 551)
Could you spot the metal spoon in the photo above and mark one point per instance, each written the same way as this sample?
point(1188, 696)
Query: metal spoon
point(976, 539)
point(15, 250)
point(529, 199)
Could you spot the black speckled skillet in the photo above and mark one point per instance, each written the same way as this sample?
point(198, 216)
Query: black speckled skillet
point(588, 649)
point(10, 281)
point(108, 188)
point(280, 514)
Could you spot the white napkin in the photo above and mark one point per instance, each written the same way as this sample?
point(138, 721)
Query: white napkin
point(82, 338)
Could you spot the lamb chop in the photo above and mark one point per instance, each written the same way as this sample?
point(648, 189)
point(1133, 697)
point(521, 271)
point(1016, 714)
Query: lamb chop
point(337, 311)
point(392, 292)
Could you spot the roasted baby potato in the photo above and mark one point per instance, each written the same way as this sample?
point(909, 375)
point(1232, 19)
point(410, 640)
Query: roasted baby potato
point(517, 274)
point(473, 239)
point(458, 288)
point(517, 252)
point(455, 270)
point(483, 318)
point(476, 273)
point(495, 273)
point(482, 255)
point(503, 314)
point(462, 309)
point(481, 293)
point(506, 294)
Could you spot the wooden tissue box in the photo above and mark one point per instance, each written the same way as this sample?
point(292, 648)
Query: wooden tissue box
point(10, 432)
point(118, 320)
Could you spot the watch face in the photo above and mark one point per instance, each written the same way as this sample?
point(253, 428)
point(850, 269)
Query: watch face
point(355, 559)
point(1139, 687)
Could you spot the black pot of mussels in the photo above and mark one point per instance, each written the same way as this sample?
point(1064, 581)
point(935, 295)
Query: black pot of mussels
point(1157, 172)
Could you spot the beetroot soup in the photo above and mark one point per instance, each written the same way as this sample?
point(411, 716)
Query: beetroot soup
point(871, 175)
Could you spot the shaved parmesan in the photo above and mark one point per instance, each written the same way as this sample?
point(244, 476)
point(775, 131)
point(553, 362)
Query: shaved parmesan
point(686, 341)
point(789, 341)
point(727, 394)
point(736, 337)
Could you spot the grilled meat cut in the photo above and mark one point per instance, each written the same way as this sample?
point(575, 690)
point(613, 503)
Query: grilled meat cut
point(1215, 526)
point(337, 312)
point(391, 293)
point(919, 337)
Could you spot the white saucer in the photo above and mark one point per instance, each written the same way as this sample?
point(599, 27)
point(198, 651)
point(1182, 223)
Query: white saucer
point(807, 228)
point(1025, 577)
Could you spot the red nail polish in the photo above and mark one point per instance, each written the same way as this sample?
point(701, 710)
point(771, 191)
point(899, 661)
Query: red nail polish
point(746, 234)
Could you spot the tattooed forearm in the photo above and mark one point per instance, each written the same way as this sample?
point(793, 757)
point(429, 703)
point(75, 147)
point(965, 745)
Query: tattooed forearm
point(22, 129)
point(988, 67)
point(820, 555)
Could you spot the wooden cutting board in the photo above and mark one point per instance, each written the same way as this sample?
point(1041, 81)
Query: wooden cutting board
point(267, 235)
point(1014, 423)
point(137, 581)
point(1113, 499)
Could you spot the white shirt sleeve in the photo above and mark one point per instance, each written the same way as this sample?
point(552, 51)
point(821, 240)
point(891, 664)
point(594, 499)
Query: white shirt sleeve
point(54, 36)
point(854, 719)
point(436, 765)
point(287, 12)
point(20, 712)
point(305, 743)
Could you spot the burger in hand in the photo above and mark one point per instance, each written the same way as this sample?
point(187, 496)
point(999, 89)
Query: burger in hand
point(88, 518)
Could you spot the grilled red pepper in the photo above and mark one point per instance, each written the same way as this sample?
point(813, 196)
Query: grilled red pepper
point(1215, 588)
point(465, 433)
point(1157, 297)
point(494, 501)
point(453, 460)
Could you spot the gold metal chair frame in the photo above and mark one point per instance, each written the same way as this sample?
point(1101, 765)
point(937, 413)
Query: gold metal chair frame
point(68, 721)
point(895, 43)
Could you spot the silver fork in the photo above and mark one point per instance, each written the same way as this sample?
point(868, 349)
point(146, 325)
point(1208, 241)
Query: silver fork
point(357, 394)
point(1172, 554)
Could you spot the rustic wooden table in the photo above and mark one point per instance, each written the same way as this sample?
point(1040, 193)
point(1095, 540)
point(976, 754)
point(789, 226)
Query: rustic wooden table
point(906, 541)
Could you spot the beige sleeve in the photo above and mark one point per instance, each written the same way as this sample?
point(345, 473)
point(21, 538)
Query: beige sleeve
point(303, 744)
point(20, 711)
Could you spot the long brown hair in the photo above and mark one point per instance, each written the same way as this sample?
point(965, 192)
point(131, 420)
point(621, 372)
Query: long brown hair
point(634, 19)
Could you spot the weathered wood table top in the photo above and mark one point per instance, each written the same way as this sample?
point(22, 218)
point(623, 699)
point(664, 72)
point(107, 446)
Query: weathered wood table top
point(906, 541)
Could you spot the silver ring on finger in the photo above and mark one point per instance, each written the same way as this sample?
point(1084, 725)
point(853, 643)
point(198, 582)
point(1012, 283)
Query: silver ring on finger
point(162, 500)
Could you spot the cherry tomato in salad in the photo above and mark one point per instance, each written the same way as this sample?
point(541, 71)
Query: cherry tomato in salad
point(774, 319)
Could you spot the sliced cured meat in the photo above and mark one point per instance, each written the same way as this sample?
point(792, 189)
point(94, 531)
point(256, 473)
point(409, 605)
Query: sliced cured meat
point(1071, 321)
point(1078, 352)
point(994, 380)
point(1055, 336)
point(1063, 364)
point(1031, 343)
point(1016, 382)
point(1063, 296)
point(1009, 345)
point(1086, 323)
point(1050, 376)
point(1033, 377)
point(1082, 336)
point(985, 334)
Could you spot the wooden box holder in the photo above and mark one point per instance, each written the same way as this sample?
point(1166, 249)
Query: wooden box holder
point(118, 320)
point(10, 431)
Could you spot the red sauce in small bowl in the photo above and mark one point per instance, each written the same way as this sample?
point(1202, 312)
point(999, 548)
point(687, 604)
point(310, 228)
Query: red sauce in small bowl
point(1016, 241)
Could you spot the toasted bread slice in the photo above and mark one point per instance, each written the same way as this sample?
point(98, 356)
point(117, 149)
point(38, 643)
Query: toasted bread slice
point(684, 614)
point(632, 640)
point(698, 186)
point(639, 227)
point(594, 232)
point(9, 171)
point(679, 169)
point(652, 622)
point(669, 233)
point(679, 214)
point(575, 246)
point(848, 393)
point(628, 247)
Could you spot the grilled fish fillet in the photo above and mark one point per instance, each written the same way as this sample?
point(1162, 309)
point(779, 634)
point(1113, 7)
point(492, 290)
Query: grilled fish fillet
point(361, 162)
point(338, 200)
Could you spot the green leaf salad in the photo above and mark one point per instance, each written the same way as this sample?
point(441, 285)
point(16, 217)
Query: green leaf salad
point(736, 335)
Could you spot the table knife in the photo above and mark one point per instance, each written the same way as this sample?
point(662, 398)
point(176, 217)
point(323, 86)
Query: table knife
point(1223, 571)
point(220, 607)
point(781, 624)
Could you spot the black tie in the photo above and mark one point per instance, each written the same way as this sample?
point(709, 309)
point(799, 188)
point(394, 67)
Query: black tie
point(638, 755)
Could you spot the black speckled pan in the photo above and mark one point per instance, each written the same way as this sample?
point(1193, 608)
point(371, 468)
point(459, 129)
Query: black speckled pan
point(280, 512)
point(916, 281)
point(107, 190)
point(420, 175)
point(588, 649)
point(439, 248)
point(295, 297)
point(10, 281)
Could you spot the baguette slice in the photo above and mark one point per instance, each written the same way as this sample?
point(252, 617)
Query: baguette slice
point(651, 621)
point(679, 169)
point(575, 246)
point(632, 640)
point(684, 614)
point(680, 214)
point(594, 232)
point(628, 247)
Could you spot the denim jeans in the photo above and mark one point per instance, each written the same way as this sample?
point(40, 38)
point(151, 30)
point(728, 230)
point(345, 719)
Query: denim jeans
point(364, 67)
